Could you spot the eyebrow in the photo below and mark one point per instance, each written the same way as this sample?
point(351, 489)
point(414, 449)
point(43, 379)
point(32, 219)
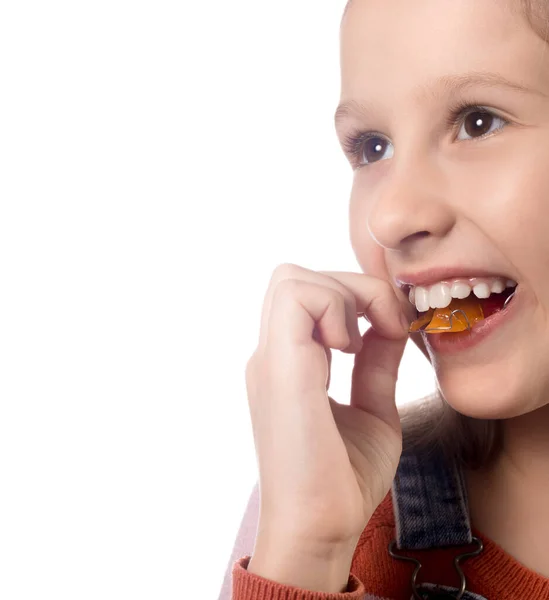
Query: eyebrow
point(450, 84)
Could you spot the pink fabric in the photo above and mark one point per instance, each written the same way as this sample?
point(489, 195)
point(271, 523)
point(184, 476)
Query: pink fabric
point(245, 540)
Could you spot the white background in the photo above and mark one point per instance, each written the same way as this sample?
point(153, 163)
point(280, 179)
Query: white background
point(158, 161)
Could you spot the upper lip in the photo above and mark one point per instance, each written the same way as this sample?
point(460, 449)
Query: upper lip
point(437, 274)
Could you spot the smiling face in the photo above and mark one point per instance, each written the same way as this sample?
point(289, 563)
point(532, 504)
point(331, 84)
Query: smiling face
point(472, 194)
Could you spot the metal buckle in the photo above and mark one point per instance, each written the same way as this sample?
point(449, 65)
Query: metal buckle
point(439, 595)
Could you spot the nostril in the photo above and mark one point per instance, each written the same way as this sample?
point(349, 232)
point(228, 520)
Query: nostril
point(418, 235)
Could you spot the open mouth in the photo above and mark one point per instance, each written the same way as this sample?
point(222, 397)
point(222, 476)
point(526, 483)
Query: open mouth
point(462, 314)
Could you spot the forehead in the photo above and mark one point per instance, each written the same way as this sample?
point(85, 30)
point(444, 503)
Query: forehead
point(389, 47)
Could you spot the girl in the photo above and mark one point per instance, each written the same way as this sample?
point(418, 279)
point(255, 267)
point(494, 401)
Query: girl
point(444, 117)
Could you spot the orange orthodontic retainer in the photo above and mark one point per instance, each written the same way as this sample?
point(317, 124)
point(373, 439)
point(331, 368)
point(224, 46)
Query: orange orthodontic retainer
point(460, 315)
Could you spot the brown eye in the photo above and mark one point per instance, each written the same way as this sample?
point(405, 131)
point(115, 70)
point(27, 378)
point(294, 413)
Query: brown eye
point(374, 149)
point(479, 123)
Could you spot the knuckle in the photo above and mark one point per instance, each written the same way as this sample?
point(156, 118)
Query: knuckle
point(340, 299)
point(286, 288)
point(284, 271)
point(345, 300)
point(383, 287)
point(343, 289)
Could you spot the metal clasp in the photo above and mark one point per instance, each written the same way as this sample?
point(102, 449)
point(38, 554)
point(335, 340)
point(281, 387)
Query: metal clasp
point(428, 595)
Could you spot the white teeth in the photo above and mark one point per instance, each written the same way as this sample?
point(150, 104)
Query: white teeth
point(497, 286)
point(482, 290)
point(439, 296)
point(460, 290)
point(422, 299)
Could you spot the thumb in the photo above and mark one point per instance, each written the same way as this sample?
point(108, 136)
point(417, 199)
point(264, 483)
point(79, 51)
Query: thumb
point(374, 376)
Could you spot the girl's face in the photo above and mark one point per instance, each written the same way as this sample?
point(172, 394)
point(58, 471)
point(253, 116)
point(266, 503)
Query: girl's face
point(473, 195)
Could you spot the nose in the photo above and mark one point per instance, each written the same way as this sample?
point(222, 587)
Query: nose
point(410, 208)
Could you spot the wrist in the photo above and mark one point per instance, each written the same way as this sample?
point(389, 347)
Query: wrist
point(305, 565)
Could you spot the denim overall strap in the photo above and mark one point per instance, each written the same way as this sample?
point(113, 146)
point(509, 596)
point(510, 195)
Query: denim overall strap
point(430, 502)
point(431, 511)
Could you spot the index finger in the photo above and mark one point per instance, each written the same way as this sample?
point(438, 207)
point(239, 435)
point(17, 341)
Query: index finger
point(377, 299)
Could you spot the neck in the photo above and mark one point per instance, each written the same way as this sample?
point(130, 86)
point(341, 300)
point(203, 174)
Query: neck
point(524, 458)
point(508, 500)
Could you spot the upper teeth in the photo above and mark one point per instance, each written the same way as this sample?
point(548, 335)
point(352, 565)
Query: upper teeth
point(440, 294)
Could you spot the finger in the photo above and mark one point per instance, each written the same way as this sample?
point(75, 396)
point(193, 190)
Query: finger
point(374, 376)
point(294, 365)
point(290, 271)
point(329, 357)
point(328, 352)
point(377, 299)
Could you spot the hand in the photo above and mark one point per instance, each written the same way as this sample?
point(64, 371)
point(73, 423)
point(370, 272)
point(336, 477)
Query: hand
point(324, 467)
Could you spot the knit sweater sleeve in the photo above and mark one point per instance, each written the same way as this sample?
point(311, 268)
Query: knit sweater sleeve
point(368, 570)
point(240, 584)
point(249, 586)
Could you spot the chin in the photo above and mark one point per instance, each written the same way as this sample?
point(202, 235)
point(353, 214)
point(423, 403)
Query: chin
point(500, 390)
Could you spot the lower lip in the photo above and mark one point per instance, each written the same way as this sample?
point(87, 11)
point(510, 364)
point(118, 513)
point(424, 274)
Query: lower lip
point(451, 343)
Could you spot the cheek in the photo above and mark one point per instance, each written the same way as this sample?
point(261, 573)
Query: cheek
point(517, 206)
point(516, 216)
point(504, 194)
point(508, 188)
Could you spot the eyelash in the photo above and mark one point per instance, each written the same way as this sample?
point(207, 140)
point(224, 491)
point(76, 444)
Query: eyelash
point(354, 142)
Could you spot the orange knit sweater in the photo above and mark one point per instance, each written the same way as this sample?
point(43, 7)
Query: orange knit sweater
point(375, 575)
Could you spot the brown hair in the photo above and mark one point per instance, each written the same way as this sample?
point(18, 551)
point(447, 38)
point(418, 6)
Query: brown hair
point(431, 423)
point(536, 13)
